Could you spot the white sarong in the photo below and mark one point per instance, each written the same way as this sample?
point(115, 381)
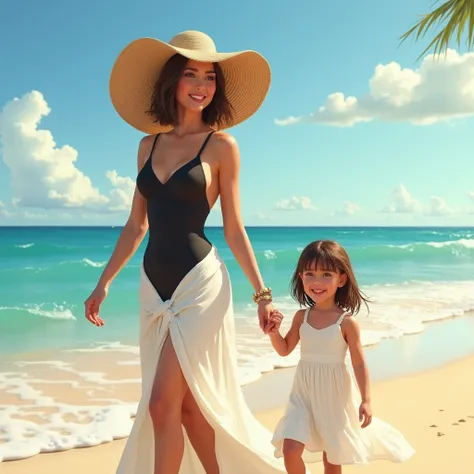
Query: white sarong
point(199, 317)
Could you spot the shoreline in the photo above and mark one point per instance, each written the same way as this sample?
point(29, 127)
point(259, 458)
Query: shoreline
point(433, 409)
point(72, 388)
point(68, 382)
point(455, 324)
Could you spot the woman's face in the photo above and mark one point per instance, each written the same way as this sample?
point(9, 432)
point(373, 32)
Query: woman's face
point(197, 86)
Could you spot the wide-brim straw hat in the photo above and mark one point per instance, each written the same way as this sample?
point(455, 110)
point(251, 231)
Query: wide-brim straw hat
point(247, 77)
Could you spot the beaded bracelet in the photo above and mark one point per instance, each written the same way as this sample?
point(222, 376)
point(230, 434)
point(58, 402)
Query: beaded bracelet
point(264, 297)
point(263, 294)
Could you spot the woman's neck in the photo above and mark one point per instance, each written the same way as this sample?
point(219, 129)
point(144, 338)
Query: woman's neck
point(189, 123)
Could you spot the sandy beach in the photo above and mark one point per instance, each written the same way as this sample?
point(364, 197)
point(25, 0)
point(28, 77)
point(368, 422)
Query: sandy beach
point(434, 409)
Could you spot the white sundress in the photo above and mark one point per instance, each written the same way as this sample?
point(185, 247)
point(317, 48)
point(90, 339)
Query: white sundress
point(323, 409)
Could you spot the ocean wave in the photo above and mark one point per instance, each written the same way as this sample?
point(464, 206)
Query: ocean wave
point(22, 319)
point(93, 264)
point(24, 246)
point(430, 251)
point(62, 426)
point(32, 249)
point(76, 271)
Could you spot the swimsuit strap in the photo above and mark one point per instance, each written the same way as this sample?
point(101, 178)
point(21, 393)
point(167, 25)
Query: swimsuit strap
point(205, 143)
point(154, 143)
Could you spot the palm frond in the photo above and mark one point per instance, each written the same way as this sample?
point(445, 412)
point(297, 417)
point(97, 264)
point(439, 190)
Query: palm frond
point(459, 15)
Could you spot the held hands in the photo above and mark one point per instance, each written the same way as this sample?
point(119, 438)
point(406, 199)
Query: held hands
point(92, 305)
point(270, 318)
point(276, 319)
point(365, 414)
point(264, 310)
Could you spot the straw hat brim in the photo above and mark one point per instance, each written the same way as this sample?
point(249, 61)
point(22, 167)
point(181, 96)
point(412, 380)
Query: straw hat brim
point(247, 80)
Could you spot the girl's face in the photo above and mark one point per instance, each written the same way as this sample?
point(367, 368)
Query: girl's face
point(321, 285)
point(197, 86)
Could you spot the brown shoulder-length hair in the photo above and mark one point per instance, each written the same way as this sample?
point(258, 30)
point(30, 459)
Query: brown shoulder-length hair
point(330, 256)
point(163, 106)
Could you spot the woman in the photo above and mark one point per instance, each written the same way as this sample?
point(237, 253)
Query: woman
point(183, 95)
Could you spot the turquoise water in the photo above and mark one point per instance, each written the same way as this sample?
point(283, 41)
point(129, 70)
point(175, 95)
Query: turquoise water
point(413, 274)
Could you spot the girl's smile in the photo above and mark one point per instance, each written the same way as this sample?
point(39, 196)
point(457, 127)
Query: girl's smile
point(321, 284)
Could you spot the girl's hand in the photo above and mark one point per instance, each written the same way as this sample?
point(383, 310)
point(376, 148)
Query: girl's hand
point(365, 414)
point(92, 305)
point(275, 321)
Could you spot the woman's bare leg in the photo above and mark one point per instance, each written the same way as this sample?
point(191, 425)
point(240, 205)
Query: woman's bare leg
point(200, 434)
point(169, 388)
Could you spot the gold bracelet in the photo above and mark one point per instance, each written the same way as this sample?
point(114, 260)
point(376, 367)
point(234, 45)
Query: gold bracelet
point(264, 297)
point(263, 291)
point(257, 296)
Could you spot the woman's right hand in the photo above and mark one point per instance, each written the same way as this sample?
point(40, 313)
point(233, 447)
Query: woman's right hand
point(92, 305)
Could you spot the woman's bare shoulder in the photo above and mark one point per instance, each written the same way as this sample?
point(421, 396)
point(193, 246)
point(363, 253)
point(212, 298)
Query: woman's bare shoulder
point(144, 148)
point(225, 147)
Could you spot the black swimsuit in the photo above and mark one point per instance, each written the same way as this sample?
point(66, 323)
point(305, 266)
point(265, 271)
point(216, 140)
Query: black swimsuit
point(177, 212)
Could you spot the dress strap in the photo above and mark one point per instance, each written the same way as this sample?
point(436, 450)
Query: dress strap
point(342, 317)
point(305, 317)
point(205, 143)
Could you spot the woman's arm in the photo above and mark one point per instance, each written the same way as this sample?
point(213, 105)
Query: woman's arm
point(285, 345)
point(234, 230)
point(134, 230)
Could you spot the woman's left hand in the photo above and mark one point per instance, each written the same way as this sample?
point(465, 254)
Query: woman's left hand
point(264, 310)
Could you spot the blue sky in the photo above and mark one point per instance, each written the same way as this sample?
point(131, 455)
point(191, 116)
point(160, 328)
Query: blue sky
point(354, 130)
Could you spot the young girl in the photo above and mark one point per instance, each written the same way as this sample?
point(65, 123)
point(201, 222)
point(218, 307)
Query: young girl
point(325, 412)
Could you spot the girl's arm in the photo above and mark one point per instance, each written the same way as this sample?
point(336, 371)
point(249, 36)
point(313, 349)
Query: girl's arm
point(134, 230)
point(351, 334)
point(234, 230)
point(285, 345)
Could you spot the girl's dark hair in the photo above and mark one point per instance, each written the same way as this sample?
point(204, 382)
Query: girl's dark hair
point(163, 106)
point(330, 256)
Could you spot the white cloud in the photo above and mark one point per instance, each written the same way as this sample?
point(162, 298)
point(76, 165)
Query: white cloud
point(470, 210)
point(122, 194)
point(348, 209)
point(34, 215)
point(45, 176)
point(262, 216)
point(441, 89)
point(439, 207)
point(3, 211)
point(295, 203)
point(402, 202)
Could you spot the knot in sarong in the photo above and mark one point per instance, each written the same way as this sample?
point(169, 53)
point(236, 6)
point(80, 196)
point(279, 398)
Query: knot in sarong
point(163, 311)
